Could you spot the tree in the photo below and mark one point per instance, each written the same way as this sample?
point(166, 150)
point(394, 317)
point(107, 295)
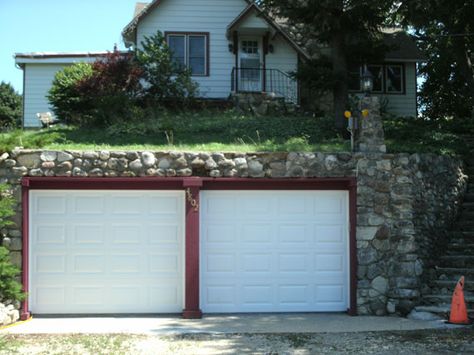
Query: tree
point(344, 31)
point(112, 89)
point(166, 80)
point(10, 106)
point(64, 95)
point(446, 32)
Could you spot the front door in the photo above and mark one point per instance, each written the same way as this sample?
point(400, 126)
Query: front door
point(250, 61)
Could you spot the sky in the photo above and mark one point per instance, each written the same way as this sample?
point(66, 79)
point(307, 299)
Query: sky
point(58, 26)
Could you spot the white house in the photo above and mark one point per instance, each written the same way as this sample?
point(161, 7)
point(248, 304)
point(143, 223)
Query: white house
point(229, 46)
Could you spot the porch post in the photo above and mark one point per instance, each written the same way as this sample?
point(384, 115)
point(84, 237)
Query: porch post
point(235, 38)
point(265, 52)
point(192, 188)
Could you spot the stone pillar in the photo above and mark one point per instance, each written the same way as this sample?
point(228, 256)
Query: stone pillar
point(371, 135)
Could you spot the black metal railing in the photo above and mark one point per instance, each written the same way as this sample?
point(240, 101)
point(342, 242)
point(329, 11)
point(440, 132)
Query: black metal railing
point(265, 80)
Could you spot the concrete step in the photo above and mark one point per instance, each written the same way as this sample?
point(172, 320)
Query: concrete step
point(465, 227)
point(469, 197)
point(442, 310)
point(458, 235)
point(457, 261)
point(466, 215)
point(469, 206)
point(449, 285)
point(465, 222)
point(461, 246)
point(455, 273)
point(436, 300)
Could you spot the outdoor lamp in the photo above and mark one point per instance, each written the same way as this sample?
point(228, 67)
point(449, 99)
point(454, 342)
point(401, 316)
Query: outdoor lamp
point(367, 81)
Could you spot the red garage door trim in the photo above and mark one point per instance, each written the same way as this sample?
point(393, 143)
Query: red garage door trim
point(192, 186)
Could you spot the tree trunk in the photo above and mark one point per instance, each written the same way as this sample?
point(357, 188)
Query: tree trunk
point(465, 66)
point(340, 90)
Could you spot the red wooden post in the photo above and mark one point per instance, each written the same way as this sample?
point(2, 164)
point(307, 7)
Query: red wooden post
point(192, 187)
point(353, 246)
point(25, 202)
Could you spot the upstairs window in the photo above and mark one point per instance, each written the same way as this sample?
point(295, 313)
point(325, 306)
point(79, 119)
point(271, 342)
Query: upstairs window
point(388, 78)
point(394, 79)
point(190, 50)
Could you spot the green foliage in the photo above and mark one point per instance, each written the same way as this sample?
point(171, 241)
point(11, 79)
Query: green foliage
point(336, 33)
point(27, 139)
point(166, 81)
point(65, 96)
point(111, 90)
point(6, 206)
point(10, 106)
point(444, 29)
point(211, 130)
point(10, 289)
point(418, 135)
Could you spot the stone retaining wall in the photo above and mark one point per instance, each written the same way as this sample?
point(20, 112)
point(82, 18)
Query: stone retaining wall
point(404, 201)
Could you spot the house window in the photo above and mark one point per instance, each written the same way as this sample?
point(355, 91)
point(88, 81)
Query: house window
point(388, 78)
point(377, 73)
point(394, 79)
point(250, 47)
point(190, 50)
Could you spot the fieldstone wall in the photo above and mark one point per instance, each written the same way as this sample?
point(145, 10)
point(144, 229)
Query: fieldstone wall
point(402, 201)
point(8, 314)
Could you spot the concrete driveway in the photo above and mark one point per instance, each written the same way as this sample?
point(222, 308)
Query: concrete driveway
point(222, 324)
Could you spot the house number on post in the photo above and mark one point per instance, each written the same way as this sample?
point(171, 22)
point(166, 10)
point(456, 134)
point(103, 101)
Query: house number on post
point(191, 200)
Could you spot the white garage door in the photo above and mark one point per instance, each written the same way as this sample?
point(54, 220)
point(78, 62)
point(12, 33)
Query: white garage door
point(106, 252)
point(274, 251)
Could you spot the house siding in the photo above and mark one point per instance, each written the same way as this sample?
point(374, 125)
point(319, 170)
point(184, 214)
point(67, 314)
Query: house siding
point(38, 81)
point(285, 59)
point(211, 16)
point(404, 105)
point(214, 16)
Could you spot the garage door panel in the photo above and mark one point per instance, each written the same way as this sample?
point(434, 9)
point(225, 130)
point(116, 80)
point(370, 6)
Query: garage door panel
point(50, 263)
point(164, 235)
point(216, 234)
point(258, 295)
point(110, 259)
point(88, 295)
point(294, 233)
point(257, 263)
point(329, 294)
point(329, 262)
point(88, 264)
point(221, 262)
point(87, 234)
point(331, 234)
point(282, 256)
point(49, 205)
point(49, 234)
point(89, 205)
point(256, 233)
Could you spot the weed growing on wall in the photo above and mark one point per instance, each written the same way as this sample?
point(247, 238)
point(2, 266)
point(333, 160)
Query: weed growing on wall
point(10, 288)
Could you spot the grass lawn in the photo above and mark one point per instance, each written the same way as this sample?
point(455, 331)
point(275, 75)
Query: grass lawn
point(217, 131)
point(208, 131)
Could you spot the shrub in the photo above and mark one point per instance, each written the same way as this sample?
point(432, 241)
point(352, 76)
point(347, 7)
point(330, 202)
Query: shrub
point(112, 89)
point(10, 289)
point(10, 106)
point(167, 82)
point(69, 104)
point(121, 87)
